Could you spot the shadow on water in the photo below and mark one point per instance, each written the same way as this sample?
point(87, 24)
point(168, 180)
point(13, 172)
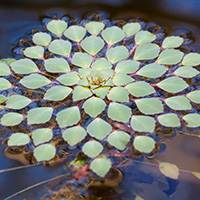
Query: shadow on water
point(19, 17)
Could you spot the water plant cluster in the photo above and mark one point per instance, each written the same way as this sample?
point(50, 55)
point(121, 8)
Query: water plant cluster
point(97, 86)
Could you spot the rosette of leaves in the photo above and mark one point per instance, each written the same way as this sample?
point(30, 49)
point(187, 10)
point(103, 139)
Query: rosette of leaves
point(113, 88)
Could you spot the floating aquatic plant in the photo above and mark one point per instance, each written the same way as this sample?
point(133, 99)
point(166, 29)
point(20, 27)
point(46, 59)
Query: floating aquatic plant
point(99, 85)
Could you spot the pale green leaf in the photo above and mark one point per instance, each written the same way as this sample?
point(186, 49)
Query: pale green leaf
point(178, 103)
point(74, 135)
point(152, 70)
point(41, 135)
point(118, 139)
point(100, 166)
point(172, 42)
point(4, 69)
point(119, 94)
point(169, 120)
point(94, 106)
point(142, 123)
point(101, 64)
point(11, 119)
point(41, 38)
point(18, 139)
point(113, 35)
point(75, 33)
point(7, 61)
point(146, 51)
point(194, 96)
point(121, 79)
point(127, 66)
point(99, 128)
point(131, 28)
point(4, 84)
point(173, 84)
point(169, 170)
point(34, 81)
point(80, 93)
point(35, 52)
point(39, 115)
point(117, 53)
point(44, 152)
point(149, 106)
point(2, 99)
point(17, 102)
point(82, 60)
point(101, 91)
point(60, 47)
point(191, 59)
point(143, 37)
point(144, 144)
point(24, 66)
point(192, 120)
point(57, 93)
point(92, 148)
point(57, 26)
point(68, 117)
point(83, 73)
point(186, 72)
point(94, 27)
point(140, 89)
point(119, 112)
point(70, 78)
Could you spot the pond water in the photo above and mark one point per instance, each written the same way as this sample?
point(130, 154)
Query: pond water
point(140, 177)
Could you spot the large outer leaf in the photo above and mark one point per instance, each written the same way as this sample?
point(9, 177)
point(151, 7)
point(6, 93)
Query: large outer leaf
point(4, 69)
point(35, 52)
point(41, 38)
point(186, 72)
point(4, 84)
point(119, 94)
point(191, 59)
point(101, 64)
point(169, 120)
point(127, 66)
point(18, 139)
point(120, 79)
point(94, 27)
point(131, 28)
point(192, 120)
point(17, 102)
point(82, 60)
point(57, 26)
point(194, 96)
point(143, 37)
point(172, 42)
point(11, 119)
point(70, 78)
point(80, 93)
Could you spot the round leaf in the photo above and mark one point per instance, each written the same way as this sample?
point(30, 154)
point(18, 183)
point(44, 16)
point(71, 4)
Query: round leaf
point(194, 96)
point(119, 94)
point(131, 28)
point(18, 139)
point(4, 69)
point(80, 93)
point(11, 119)
point(101, 64)
point(169, 120)
point(172, 42)
point(4, 84)
point(41, 38)
point(35, 52)
point(17, 102)
point(82, 60)
point(94, 27)
point(192, 120)
point(121, 79)
point(70, 78)
point(127, 66)
point(144, 144)
point(57, 26)
point(143, 37)
point(186, 72)
point(191, 59)
point(169, 170)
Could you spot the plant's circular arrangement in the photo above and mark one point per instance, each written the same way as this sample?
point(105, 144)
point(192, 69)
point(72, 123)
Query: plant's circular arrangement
point(96, 86)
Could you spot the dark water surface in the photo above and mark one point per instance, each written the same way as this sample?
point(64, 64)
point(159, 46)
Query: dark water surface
point(18, 18)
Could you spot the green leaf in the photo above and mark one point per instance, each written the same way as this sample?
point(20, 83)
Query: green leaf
point(140, 89)
point(17, 102)
point(39, 115)
point(172, 42)
point(94, 27)
point(92, 44)
point(18, 139)
point(119, 94)
point(75, 33)
point(118, 139)
point(83, 73)
point(149, 106)
point(41, 38)
point(169, 170)
point(80, 93)
point(92, 148)
point(127, 66)
point(173, 84)
point(192, 120)
point(4, 84)
point(101, 91)
point(169, 120)
point(186, 72)
point(4, 69)
point(152, 70)
point(82, 60)
point(7, 61)
point(194, 96)
point(74, 135)
point(70, 78)
point(143, 37)
point(60, 47)
point(101, 64)
point(44, 152)
point(57, 26)
point(24, 66)
point(170, 57)
point(100, 166)
point(2, 99)
point(68, 117)
point(113, 35)
point(119, 112)
point(11, 119)
point(144, 144)
point(41, 135)
point(117, 53)
point(121, 79)
point(56, 65)
point(191, 59)
point(34, 81)
point(146, 51)
point(131, 28)
point(57, 93)
point(178, 103)
point(99, 128)
point(94, 106)
point(35, 52)
point(142, 123)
